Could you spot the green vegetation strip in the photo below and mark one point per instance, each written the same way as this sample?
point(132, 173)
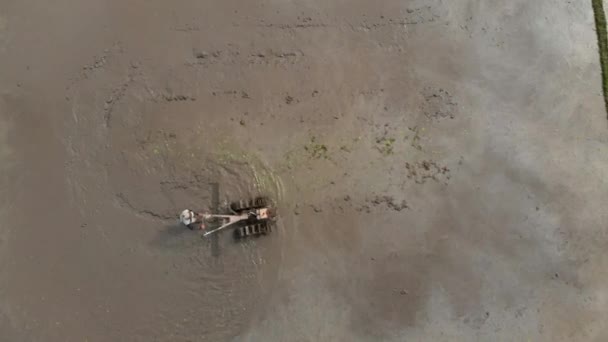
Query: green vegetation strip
point(602, 41)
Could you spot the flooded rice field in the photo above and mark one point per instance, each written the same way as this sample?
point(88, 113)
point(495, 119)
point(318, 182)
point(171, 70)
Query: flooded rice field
point(437, 169)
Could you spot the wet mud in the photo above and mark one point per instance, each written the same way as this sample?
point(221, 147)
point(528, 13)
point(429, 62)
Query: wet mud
point(437, 168)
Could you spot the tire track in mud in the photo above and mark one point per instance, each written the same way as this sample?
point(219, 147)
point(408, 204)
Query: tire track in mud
point(125, 203)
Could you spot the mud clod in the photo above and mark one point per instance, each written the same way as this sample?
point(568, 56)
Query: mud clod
point(438, 104)
point(417, 137)
point(178, 98)
point(390, 203)
point(201, 54)
point(426, 170)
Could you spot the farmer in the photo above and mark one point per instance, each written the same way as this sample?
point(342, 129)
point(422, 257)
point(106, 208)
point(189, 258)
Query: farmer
point(192, 220)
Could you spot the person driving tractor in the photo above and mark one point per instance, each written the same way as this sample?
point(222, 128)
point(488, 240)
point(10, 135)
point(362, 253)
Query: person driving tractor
point(192, 220)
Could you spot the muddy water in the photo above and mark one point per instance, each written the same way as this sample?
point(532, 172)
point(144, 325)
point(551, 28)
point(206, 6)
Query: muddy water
point(218, 282)
point(425, 158)
point(129, 170)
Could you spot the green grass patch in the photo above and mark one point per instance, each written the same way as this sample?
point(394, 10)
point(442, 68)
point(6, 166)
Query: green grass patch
point(385, 145)
point(316, 150)
point(602, 42)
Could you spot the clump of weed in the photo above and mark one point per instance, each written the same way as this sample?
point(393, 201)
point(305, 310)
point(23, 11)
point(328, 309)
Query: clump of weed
point(316, 150)
point(385, 145)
